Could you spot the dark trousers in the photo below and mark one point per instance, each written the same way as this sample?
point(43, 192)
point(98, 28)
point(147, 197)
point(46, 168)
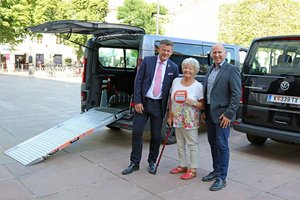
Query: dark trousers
point(218, 140)
point(152, 110)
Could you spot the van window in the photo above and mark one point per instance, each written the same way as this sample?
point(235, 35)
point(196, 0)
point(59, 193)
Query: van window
point(275, 57)
point(230, 56)
point(242, 56)
point(183, 51)
point(118, 58)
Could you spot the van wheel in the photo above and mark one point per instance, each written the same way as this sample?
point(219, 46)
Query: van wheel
point(164, 132)
point(256, 140)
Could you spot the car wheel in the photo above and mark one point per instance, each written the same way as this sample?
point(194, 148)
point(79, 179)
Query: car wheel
point(164, 132)
point(256, 140)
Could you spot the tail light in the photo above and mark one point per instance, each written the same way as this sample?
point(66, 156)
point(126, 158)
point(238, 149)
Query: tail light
point(139, 62)
point(84, 70)
point(83, 80)
point(236, 122)
point(242, 97)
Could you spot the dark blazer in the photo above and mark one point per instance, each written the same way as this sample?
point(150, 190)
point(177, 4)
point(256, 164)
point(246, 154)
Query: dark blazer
point(145, 75)
point(226, 92)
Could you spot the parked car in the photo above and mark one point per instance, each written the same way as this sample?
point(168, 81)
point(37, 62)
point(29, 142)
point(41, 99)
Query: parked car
point(112, 56)
point(271, 94)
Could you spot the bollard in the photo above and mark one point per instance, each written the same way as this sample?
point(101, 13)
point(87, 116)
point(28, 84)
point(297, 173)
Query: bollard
point(31, 70)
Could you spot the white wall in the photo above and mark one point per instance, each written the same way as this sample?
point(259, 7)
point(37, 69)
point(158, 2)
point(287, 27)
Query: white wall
point(194, 19)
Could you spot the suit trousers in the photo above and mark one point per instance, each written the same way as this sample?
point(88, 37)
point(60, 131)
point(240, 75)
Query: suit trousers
point(218, 140)
point(152, 110)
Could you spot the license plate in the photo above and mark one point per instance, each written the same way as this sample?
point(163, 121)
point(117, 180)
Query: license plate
point(283, 99)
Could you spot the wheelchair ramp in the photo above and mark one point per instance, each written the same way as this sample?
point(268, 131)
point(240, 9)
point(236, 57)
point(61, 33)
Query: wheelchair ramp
point(41, 146)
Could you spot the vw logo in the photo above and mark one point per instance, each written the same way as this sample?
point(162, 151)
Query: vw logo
point(284, 85)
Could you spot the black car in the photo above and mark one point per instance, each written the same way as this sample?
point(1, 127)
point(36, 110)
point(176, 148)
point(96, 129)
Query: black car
point(271, 90)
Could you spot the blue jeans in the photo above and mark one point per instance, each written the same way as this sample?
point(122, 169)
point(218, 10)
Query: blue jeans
point(218, 140)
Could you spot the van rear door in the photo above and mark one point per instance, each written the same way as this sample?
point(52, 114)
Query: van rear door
point(84, 27)
point(271, 82)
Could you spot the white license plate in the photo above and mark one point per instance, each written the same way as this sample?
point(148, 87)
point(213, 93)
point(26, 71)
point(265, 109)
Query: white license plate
point(283, 99)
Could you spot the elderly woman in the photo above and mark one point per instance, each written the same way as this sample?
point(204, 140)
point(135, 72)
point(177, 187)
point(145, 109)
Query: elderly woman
point(185, 102)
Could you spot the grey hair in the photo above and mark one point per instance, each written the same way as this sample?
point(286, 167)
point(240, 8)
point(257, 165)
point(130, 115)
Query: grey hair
point(219, 45)
point(193, 62)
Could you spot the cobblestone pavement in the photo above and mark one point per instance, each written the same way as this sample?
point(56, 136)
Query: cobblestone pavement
point(91, 167)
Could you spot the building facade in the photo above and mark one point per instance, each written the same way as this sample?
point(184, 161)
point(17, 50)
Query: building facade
point(193, 19)
point(47, 49)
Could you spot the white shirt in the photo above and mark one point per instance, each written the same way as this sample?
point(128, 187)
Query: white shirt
point(150, 91)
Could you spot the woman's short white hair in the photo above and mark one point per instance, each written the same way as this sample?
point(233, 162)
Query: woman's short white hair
point(193, 62)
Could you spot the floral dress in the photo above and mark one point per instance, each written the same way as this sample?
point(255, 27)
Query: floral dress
point(184, 115)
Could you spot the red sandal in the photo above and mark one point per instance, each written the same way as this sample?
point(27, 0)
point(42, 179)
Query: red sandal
point(178, 170)
point(191, 173)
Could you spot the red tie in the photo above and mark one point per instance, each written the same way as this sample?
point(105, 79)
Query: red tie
point(157, 80)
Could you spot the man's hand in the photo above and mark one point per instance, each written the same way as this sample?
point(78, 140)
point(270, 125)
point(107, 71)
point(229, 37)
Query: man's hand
point(224, 121)
point(203, 118)
point(139, 108)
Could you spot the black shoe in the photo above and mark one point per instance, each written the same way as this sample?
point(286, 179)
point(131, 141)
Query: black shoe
point(151, 168)
point(211, 176)
point(132, 167)
point(218, 185)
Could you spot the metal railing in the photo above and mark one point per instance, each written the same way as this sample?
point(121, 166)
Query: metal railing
point(52, 70)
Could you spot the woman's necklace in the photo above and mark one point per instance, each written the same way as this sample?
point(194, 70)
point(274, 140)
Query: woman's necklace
point(187, 82)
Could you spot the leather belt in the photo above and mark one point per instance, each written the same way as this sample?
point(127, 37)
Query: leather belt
point(153, 100)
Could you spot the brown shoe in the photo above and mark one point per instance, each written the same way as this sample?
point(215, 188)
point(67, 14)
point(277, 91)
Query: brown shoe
point(178, 170)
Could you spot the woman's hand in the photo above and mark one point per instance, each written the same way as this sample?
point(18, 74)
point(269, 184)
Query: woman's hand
point(170, 121)
point(190, 102)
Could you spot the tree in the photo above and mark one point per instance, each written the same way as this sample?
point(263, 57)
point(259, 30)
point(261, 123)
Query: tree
point(245, 20)
point(90, 10)
point(14, 16)
point(141, 14)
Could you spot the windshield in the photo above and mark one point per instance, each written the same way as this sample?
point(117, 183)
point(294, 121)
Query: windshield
point(274, 57)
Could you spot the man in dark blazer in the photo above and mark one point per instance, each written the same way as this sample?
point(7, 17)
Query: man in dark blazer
point(151, 91)
point(222, 92)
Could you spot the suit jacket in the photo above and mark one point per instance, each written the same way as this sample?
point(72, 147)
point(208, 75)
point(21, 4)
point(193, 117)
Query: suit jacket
point(226, 92)
point(145, 75)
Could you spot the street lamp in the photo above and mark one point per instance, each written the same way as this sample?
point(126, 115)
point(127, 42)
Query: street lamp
point(157, 18)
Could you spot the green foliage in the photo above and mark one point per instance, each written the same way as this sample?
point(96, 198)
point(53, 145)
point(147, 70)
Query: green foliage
point(90, 10)
point(68, 61)
point(141, 14)
point(245, 20)
point(44, 10)
point(14, 16)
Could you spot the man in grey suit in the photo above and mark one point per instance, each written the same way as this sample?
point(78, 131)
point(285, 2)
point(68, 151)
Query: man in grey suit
point(151, 91)
point(222, 92)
